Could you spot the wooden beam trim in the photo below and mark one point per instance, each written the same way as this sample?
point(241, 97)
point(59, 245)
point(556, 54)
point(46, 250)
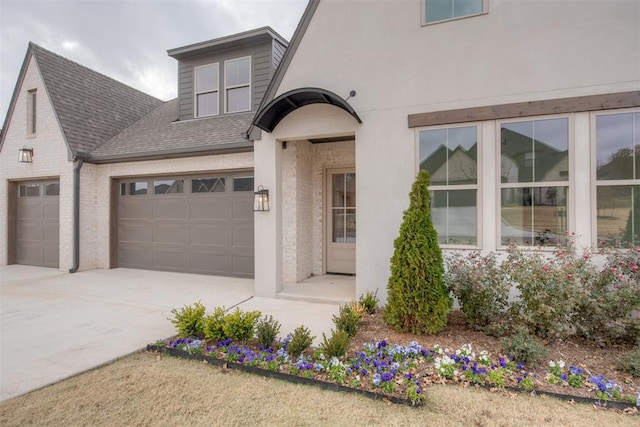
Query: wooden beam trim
point(526, 109)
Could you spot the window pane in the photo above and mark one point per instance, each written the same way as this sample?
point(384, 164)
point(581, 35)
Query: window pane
point(350, 226)
point(338, 221)
point(238, 99)
point(534, 216)
point(29, 190)
point(52, 189)
point(450, 155)
point(137, 188)
point(237, 72)
point(350, 190)
point(619, 214)
point(338, 190)
point(454, 216)
point(535, 151)
point(466, 7)
point(207, 104)
point(617, 146)
point(243, 184)
point(437, 10)
point(208, 185)
point(168, 186)
point(206, 78)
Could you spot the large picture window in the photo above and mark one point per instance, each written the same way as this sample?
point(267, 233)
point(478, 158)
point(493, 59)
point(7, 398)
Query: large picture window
point(444, 10)
point(450, 155)
point(534, 174)
point(206, 90)
point(618, 178)
point(238, 85)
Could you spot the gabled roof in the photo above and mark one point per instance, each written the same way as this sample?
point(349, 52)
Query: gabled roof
point(160, 135)
point(91, 107)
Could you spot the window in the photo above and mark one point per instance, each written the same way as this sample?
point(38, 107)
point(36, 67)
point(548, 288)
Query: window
point(444, 10)
point(168, 186)
point(618, 178)
point(450, 155)
point(208, 185)
point(237, 85)
point(206, 89)
point(534, 173)
point(133, 188)
point(244, 183)
point(29, 190)
point(52, 189)
point(31, 112)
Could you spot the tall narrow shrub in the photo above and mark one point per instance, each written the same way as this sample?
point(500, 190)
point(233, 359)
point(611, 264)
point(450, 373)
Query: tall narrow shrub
point(418, 300)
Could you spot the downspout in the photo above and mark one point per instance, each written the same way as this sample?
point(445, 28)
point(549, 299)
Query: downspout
point(76, 212)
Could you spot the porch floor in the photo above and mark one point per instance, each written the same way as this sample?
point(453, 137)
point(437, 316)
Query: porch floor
point(329, 289)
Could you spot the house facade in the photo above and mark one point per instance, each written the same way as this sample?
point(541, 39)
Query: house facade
point(516, 109)
point(526, 114)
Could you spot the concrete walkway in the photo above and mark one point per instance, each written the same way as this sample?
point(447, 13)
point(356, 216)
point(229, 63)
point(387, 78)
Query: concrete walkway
point(54, 325)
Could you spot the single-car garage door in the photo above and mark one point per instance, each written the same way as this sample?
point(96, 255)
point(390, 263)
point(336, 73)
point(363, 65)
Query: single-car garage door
point(37, 231)
point(197, 224)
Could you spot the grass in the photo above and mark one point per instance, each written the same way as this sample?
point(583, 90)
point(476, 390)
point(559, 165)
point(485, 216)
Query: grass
point(144, 389)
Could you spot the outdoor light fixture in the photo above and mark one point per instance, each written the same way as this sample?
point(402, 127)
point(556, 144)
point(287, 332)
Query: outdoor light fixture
point(26, 155)
point(261, 200)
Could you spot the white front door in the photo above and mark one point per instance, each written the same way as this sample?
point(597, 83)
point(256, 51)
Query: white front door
point(341, 221)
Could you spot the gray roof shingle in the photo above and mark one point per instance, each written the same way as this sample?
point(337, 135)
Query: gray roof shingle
point(91, 107)
point(158, 134)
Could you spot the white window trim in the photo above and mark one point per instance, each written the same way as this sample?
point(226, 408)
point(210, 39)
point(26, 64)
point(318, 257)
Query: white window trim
point(477, 186)
point(594, 166)
point(196, 92)
point(226, 88)
point(569, 183)
point(423, 16)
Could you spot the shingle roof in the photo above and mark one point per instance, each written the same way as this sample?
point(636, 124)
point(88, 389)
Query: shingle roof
point(91, 107)
point(159, 134)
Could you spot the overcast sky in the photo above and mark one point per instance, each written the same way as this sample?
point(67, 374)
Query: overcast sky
point(128, 39)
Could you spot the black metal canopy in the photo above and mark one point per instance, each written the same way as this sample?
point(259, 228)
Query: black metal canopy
point(276, 110)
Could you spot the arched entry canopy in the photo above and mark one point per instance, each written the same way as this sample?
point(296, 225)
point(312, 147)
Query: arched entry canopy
point(269, 117)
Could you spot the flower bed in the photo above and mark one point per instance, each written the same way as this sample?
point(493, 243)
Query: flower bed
point(398, 373)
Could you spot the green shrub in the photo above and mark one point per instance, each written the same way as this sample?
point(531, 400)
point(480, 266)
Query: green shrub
point(348, 318)
point(189, 321)
point(418, 300)
point(267, 330)
point(479, 285)
point(239, 325)
point(524, 347)
point(630, 362)
point(369, 301)
point(336, 346)
point(214, 325)
point(301, 340)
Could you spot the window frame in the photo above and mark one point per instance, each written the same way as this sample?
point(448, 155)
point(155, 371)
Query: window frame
point(238, 86)
point(196, 92)
point(569, 183)
point(423, 14)
point(32, 110)
point(595, 183)
point(477, 186)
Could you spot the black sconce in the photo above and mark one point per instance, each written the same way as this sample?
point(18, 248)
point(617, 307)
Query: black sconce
point(261, 200)
point(26, 155)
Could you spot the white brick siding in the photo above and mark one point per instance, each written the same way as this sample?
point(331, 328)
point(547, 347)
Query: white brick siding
point(50, 160)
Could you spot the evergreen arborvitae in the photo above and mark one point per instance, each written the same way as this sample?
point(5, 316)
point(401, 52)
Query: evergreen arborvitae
point(418, 300)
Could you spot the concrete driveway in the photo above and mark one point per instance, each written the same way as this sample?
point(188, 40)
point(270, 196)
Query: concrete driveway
point(54, 325)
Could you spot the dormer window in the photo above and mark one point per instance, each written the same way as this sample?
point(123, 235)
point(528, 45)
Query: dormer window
point(237, 83)
point(206, 90)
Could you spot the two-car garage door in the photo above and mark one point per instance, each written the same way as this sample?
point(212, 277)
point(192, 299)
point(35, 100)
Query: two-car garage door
point(197, 224)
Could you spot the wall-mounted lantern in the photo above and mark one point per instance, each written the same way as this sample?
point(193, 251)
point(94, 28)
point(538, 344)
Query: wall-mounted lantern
point(261, 200)
point(26, 155)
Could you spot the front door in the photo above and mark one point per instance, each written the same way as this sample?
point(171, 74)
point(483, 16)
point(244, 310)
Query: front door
point(341, 221)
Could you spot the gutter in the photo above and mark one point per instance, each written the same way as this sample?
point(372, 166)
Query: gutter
point(78, 160)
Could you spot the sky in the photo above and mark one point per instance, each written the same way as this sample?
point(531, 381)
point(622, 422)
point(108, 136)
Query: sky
point(128, 39)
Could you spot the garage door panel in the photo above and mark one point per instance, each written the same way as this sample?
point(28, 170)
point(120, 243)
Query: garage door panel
point(51, 212)
point(50, 254)
point(175, 209)
point(29, 231)
point(212, 208)
point(27, 209)
point(190, 232)
point(51, 233)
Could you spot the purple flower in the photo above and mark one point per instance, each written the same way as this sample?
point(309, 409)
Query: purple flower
point(575, 370)
point(364, 372)
point(563, 377)
point(520, 365)
point(382, 344)
point(502, 362)
point(386, 377)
